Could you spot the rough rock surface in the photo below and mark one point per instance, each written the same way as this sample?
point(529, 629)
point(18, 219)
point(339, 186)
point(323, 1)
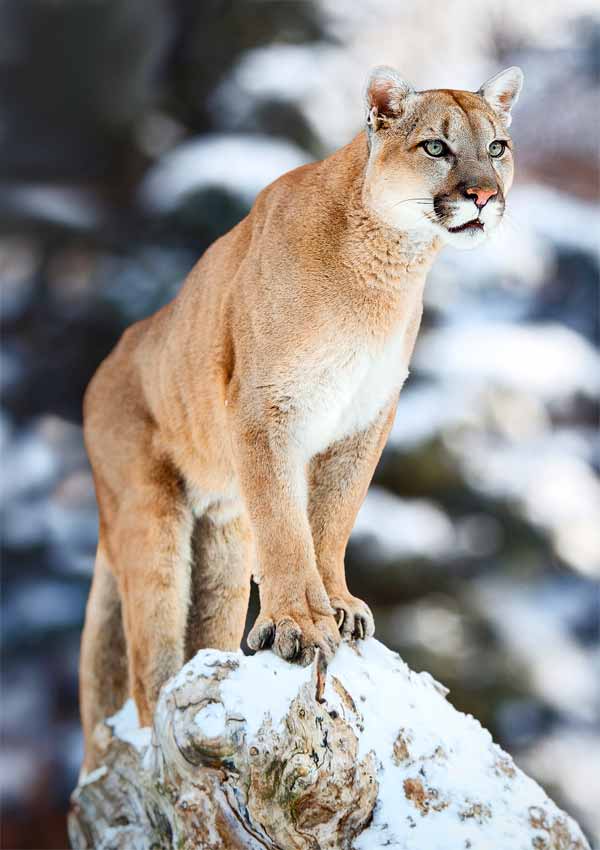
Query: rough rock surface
point(255, 753)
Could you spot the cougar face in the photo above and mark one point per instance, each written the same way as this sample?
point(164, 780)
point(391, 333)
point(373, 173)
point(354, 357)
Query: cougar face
point(441, 161)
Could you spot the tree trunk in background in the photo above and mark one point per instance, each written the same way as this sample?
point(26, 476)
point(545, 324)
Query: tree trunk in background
point(254, 753)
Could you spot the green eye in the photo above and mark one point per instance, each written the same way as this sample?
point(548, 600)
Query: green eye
point(435, 147)
point(496, 148)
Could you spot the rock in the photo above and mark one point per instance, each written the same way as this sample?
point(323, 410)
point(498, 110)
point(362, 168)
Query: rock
point(251, 752)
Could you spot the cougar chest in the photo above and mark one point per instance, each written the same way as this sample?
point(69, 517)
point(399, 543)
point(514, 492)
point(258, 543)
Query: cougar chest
point(344, 391)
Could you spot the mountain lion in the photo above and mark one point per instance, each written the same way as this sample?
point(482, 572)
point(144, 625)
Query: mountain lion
point(235, 432)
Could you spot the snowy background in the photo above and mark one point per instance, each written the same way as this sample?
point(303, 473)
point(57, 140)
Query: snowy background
point(134, 133)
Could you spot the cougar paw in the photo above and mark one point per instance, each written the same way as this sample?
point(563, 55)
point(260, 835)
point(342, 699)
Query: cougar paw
point(262, 635)
point(296, 638)
point(353, 618)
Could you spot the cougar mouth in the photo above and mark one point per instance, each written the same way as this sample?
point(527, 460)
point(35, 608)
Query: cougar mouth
point(474, 224)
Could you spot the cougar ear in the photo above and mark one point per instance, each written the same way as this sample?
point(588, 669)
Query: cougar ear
point(502, 91)
point(385, 95)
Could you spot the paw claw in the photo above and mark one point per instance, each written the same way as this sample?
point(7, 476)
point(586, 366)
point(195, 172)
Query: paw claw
point(360, 628)
point(297, 639)
point(353, 618)
point(287, 638)
point(262, 635)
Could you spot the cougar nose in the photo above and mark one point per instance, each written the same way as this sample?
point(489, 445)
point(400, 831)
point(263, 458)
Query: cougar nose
point(480, 195)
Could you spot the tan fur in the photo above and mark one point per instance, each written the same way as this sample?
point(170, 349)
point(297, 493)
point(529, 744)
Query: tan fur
point(236, 431)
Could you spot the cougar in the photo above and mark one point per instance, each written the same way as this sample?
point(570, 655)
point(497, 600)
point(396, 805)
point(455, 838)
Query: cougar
point(234, 433)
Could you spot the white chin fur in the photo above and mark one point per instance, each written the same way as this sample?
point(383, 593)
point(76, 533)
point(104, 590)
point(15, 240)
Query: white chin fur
point(463, 241)
point(490, 218)
point(471, 238)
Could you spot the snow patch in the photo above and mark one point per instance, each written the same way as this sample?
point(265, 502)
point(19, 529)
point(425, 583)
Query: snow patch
point(211, 719)
point(126, 725)
point(241, 164)
point(90, 778)
point(274, 682)
point(202, 666)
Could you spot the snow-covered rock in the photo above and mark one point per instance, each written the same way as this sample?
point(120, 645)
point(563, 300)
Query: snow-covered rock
point(252, 752)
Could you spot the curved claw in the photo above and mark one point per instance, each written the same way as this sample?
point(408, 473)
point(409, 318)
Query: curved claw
point(353, 619)
point(262, 635)
point(296, 639)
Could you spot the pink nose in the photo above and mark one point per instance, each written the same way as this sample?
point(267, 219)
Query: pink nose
point(481, 196)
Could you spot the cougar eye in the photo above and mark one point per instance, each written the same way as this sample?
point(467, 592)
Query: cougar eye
point(435, 147)
point(496, 148)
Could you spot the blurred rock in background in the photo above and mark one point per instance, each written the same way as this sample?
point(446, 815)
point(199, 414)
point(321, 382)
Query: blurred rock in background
point(134, 133)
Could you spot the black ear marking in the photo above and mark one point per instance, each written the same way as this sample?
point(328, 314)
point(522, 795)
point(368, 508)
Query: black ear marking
point(373, 118)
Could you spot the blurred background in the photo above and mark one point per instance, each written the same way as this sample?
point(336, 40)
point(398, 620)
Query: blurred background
point(132, 134)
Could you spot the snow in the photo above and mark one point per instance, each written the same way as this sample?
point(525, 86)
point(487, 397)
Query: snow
point(272, 680)
point(434, 54)
point(428, 624)
point(201, 666)
point(392, 698)
point(211, 719)
point(241, 164)
point(451, 21)
point(94, 776)
point(517, 260)
point(125, 725)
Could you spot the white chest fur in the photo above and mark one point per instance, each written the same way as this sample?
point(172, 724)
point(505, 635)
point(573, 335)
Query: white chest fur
point(344, 392)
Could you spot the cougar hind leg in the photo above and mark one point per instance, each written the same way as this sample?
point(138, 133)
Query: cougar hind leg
point(220, 582)
point(103, 679)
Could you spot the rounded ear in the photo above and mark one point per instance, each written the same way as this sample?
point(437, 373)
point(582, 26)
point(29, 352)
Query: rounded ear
point(385, 95)
point(502, 91)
